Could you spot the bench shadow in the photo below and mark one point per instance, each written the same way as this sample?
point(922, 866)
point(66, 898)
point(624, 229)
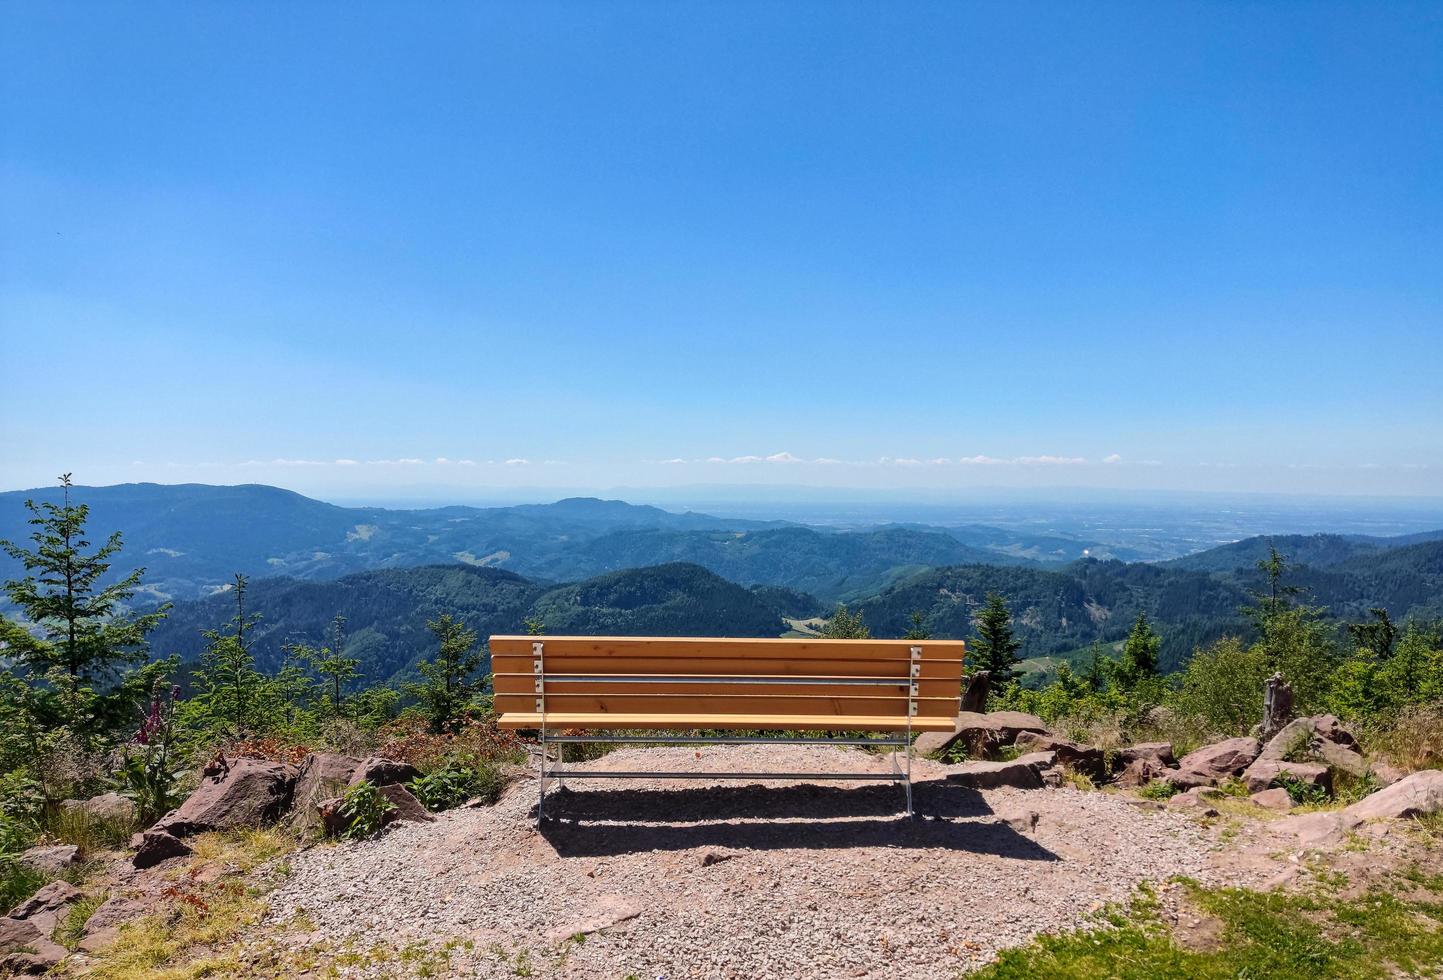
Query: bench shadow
point(610, 822)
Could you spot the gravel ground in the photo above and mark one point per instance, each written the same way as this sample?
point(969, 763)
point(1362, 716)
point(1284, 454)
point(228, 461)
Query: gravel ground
point(718, 880)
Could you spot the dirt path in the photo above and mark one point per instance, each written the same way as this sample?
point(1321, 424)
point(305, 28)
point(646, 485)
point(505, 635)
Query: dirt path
point(700, 879)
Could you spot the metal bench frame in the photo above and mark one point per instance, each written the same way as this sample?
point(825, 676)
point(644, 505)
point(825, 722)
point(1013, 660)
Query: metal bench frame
point(900, 773)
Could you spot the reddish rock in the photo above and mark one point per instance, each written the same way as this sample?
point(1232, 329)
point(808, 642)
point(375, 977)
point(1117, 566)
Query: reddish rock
point(981, 733)
point(1222, 759)
point(1273, 799)
point(407, 807)
point(322, 776)
point(111, 807)
point(247, 793)
point(1141, 771)
point(47, 906)
point(155, 846)
point(991, 775)
point(103, 926)
point(1413, 796)
point(1322, 739)
point(1159, 753)
point(1083, 758)
point(1264, 773)
point(52, 859)
point(25, 948)
point(383, 772)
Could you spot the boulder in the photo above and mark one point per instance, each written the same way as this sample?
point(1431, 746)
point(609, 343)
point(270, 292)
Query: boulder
point(1413, 796)
point(1222, 759)
point(1082, 758)
point(322, 776)
point(1317, 829)
point(51, 859)
point(1197, 799)
point(1386, 774)
point(247, 793)
point(154, 846)
point(383, 772)
point(46, 907)
point(1159, 753)
point(1323, 739)
point(991, 775)
point(110, 807)
point(1186, 779)
point(1273, 799)
point(980, 733)
point(1021, 820)
point(103, 926)
point(1038, 760)
point(1141, 771)
point(25, 948)
point(407, 807)
point(1264, 773)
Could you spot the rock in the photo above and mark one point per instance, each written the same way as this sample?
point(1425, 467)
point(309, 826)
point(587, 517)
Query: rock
point(1198, 798)
point(25, 948)
point(52, 859)
point(248, 793)
point(1263, 773)
point(1082, 758)
point(322, 775)
point(1317, 829)
point(46, 907)
point(1141, 771)
point(603, 912)
point(1159, 753)
point(1323, 739)
point(981, 733)
point(1385, 773)
point(407, 807)
point(975, 687)
point(111, 807)
point(1038, 760)
point(710, 858)
point(156, 846)
point(1413, 796)
point(1273, 799)
point(1222, 759)
point(383, 772)
point(1022, 821)
point(991, 775)
point(329, 813)
point(1185, 780)
point(103, 926)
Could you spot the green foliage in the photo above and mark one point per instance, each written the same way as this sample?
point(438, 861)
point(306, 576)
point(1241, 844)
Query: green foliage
point(995, 648)
point(1303, 793)
point(79, 638)
point(1264, 934)
point(1159, 789)
point(363, 810)
point(454, 784)
point(1223, 686)
point(1377, 635)
point(845, 625)
point(917, 628)
point(228, 677)
point(18, 882)
point(149, 773)
point(1139, 654)
point(448, 683)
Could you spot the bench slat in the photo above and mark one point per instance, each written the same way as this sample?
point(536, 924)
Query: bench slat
point(725, 722)
point(525, 684)
point(716, 704)
point(561, 663)
point(737, 648)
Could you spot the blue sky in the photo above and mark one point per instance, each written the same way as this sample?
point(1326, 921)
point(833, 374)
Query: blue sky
point(595, 244)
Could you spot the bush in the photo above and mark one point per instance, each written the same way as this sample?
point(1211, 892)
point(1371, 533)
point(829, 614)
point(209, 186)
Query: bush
point(454, 784)
point(18, 882)
point(363, 811)
point(1222, 686)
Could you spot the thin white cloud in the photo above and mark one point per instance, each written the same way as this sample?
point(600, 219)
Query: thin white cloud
point(1051, 460)
point(465, 462)
point(1113, 458)
point(981, 461)
point(346, 462)
point(784, 457)
point(517, 461)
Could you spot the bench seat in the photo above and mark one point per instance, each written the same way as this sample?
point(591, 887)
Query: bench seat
point(724, 722)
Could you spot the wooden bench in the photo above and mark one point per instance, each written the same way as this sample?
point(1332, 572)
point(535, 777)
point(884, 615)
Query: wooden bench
point(569, 687)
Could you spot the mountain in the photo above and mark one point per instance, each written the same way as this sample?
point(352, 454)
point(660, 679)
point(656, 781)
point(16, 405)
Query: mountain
point(1057, 611)
point(193, 538)
point(1314, 550)
point(387, 610)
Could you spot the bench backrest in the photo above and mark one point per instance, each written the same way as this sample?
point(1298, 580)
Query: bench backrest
point(615, 682)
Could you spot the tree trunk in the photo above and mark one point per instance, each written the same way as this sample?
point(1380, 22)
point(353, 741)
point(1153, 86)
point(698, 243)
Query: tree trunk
point(974, 690)
point(1277, 706)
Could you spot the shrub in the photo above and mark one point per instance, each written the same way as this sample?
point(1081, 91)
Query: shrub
point(476, 744)
point(1412, 740)
point(18, 882)
point(1222, 686)
point(1303, 794)
point(454, 784)
point(363, 810)
point(1159, 789)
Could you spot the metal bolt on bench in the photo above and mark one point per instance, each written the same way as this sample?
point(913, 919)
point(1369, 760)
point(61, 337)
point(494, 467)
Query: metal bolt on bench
point(605, 684)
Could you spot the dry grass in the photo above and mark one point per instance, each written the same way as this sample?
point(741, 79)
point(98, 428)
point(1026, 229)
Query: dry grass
point(1413, 741)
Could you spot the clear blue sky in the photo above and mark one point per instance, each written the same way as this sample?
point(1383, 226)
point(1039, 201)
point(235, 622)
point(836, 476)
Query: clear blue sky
point(1154, 245)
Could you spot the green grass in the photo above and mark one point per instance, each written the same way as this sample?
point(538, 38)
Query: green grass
point(1274, 935)
point(18, 882)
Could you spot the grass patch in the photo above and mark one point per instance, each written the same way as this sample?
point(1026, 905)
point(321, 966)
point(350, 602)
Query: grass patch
point(18, 882)
point(88, 832)
point(70, 930)
point(195, 936)
point(1264, 934)
point(1159, 789)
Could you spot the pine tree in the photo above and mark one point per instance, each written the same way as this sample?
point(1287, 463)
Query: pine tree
point(82, 640)
point(1377, 637)
point(995, 649)
point(229, 670)
point(335, 670)
point(918, 629)
point(447, 681)
point(1139, 654)
point(846, 625)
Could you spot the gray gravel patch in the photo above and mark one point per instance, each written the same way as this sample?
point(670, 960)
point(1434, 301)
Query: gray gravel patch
point(718, 880)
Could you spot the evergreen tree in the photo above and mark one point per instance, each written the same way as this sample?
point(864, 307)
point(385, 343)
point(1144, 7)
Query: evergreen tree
point(995, 648)
point(335, 670)
point(1376, 636)
point(1139, 654)
point(918, 629)
point(82, 640)
point(228, 674)
point(447, 683)
point(846, 625)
